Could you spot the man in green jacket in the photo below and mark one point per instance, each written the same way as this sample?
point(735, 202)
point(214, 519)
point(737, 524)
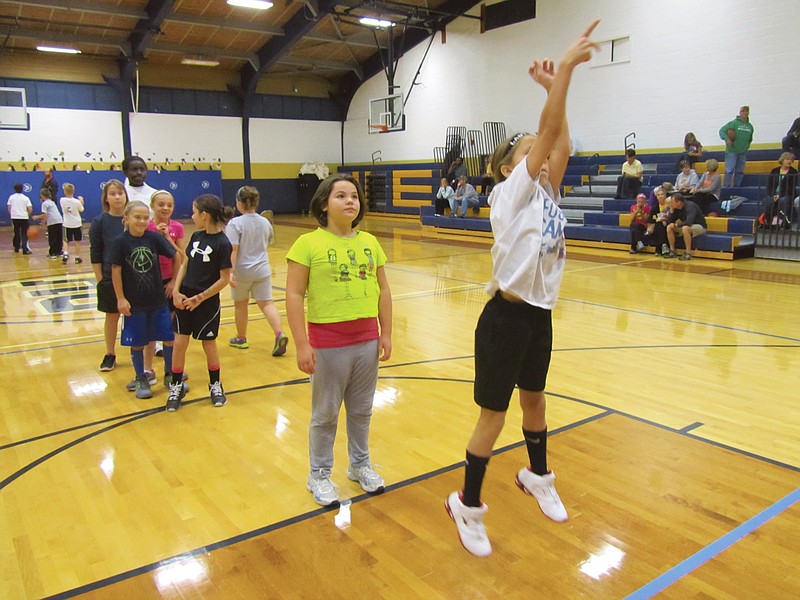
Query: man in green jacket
point(738, 135)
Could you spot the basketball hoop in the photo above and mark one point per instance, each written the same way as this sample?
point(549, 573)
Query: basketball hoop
point(379, 128)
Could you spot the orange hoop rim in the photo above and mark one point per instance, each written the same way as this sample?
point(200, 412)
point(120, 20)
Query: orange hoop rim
point(382, 128)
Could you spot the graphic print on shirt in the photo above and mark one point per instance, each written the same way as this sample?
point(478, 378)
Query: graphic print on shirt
point(206, 254)
point(553, 230)
point(355, 267)
point(142, 260)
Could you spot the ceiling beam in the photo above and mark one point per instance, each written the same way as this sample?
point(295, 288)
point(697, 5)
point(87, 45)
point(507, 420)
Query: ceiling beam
point(226, 24)
point(276, 48)
point(72, 39)
point(84, 6)
point(315, 63)
point(142, 35)
point(364, 40)
point(205, 51)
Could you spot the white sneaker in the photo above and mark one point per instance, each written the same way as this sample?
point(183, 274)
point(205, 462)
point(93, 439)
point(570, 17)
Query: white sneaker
point(323, 489)
point(159, 349)
point(469, 522)
point(367, 478)
point(543, 488)
point(640, 246)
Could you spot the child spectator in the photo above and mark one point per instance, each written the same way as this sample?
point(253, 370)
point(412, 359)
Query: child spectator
point(444, 197)
point(72, 208)
point(20, 209)
point(55, 224)
point(687, 179)
point(640, 213)
point(250, 234)
point(349, 329)
point(195, 294)
point(137, 279)
point(104, 228)
point(513, 338)
point(162, 204)
point(692, 150)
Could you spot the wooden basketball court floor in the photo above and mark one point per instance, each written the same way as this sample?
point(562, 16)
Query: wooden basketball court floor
point(673, 407)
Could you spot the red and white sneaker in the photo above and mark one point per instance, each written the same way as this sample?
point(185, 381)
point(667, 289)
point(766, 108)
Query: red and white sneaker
point(543, 488)
point(469, 522)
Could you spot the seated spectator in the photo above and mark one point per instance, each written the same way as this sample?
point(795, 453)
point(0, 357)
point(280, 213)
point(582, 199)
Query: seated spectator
point(653, 202)
point(687, 179)
point(791, 143)
point(444, 197)
point(487, 180)
point(706, 192)
point(640, 212)
point(467, 196)
point(692, 150)
point(630, 182)
point(781, 190)
point(657, 219)
point(456, 171)
point(686, 218)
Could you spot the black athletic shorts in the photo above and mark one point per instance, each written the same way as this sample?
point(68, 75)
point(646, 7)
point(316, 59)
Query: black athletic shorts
point(106, 297)
point(513, 342)
point(202, 323)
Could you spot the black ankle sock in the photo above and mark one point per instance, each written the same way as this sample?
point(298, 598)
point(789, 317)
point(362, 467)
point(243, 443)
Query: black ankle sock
point(536, 442)
point(177, 377)
point(473, 479)
point(213, 375)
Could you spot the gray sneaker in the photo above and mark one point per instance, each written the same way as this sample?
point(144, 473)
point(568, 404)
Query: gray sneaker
point(367, 478)
point(686, 256)
point(151, 379)
point(143, 390)
point(176, 393)
point(322, 487)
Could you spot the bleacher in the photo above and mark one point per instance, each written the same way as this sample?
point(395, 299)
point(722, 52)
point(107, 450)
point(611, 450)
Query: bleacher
point(596, 219)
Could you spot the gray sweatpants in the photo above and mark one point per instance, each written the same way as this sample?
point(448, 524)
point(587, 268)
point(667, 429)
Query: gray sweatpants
point(347, 374)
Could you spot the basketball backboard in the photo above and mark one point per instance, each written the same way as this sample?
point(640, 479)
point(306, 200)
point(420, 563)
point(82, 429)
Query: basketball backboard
point(386, 114)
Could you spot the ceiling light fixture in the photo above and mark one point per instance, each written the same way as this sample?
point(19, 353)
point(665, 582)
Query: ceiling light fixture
point(200, 62)
point(378, 23)
point(257, 4)
point(59, 50)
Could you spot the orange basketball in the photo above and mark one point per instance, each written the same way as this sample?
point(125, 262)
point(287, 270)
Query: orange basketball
point(34, 232)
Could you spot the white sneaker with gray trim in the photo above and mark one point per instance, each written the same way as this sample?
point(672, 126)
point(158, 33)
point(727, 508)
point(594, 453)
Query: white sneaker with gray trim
point(469, 523)
point(543, 488)
point(322, 487)
point(367, 478)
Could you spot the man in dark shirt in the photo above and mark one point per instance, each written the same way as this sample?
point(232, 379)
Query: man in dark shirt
point(686, 218)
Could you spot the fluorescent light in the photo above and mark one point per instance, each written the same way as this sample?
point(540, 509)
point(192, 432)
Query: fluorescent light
point(257, 4)
point(373, 22)
point(200, 62)
point(61, 50)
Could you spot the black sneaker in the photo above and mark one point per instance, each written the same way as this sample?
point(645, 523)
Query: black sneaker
point(176, 393)
point(217, 395)
point(65, 258)
point(78, 260)
point(109, 362)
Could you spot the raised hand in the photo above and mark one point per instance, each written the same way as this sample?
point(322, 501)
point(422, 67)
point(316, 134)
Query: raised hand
point(581, 50)
point(543, 72)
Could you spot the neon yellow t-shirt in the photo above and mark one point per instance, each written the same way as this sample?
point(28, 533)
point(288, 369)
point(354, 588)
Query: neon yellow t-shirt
point(342, 280)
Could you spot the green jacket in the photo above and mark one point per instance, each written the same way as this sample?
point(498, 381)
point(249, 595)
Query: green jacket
point(744, 135)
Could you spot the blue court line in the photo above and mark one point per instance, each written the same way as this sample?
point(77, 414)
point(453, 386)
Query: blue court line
point(699, 558)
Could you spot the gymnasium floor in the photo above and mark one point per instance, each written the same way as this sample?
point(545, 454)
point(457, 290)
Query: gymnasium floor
point(673, 408)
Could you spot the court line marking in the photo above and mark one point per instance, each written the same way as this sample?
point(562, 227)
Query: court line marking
point(713, 549)
point(287, 522)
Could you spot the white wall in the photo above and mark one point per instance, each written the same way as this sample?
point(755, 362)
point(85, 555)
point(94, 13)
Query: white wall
point(283, 141)
point(157, 137)
point(692, 65)
point(73, 132)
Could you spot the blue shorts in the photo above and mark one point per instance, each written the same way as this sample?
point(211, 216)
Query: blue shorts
point(146, 326)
